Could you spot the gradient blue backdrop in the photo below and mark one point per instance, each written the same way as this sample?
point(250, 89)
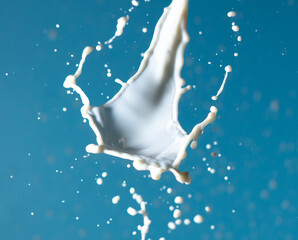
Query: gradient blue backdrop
point(43, 160)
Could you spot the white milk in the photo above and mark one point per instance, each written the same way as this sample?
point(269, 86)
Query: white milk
point(140, 122)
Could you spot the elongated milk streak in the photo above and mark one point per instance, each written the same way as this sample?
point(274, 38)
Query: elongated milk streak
point(227, 69)
point(121, 22)
point(140, 122)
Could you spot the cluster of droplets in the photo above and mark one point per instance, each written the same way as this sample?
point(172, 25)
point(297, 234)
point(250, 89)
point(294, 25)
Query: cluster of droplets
point(99, 180)
point(177, 214)
point(215, 155)
point(131, 211)
point(235, 28)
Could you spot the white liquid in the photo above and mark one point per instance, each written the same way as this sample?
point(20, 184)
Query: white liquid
point(131, 211)
point(177, 213)
point(169, 190)
point(121, 22)
point(208, 209)
point(99, 181)
point(135, 3)
point(171, 225)
point(227, 69)
point(179, 200)
point(198, 219)
point(140, 122)
point(235, 28)
point(232, 14)
point(115, 199)
point(186, 221)
point(178, 222)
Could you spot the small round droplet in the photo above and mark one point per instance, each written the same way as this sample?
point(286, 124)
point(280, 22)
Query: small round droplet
point(208, 209)
point(232, 14)
point(179, 200)
point(198, 219)
point(99, 181)
point(186, 221)
point(171, 225)
point(177, 213)
point(235, 28)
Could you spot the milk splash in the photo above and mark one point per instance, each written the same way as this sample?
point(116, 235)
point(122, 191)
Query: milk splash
point(140, 122)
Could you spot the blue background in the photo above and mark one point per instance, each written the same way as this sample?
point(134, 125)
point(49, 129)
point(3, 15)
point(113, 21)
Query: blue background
point(256, 133)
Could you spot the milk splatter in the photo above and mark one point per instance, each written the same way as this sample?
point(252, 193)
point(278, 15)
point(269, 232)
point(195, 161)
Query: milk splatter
point(146, 130)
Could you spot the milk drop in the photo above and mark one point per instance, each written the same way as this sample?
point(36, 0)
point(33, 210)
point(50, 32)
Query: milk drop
point(208, 209)
point(186, 221)
point(198, 219)
point(135, 3)
point(177, 213)
point(231, 14)
point(179, 200)
point(172, 225)
point(115, 199)
point(235, 28)
point(99, 181)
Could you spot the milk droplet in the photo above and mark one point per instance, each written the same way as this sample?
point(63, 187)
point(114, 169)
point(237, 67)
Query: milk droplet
point(171, 225)
point(228, 68)
point(98, 47)
point(198, 219)
point(99, 181)
point(186, 221)
point(179, 200)
point(115, 199)
point(135, 3)
point(178, 222)
point(232, 14)
point(208, 209)
point(177, 213)
point(235, 28)
point(131, 211)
